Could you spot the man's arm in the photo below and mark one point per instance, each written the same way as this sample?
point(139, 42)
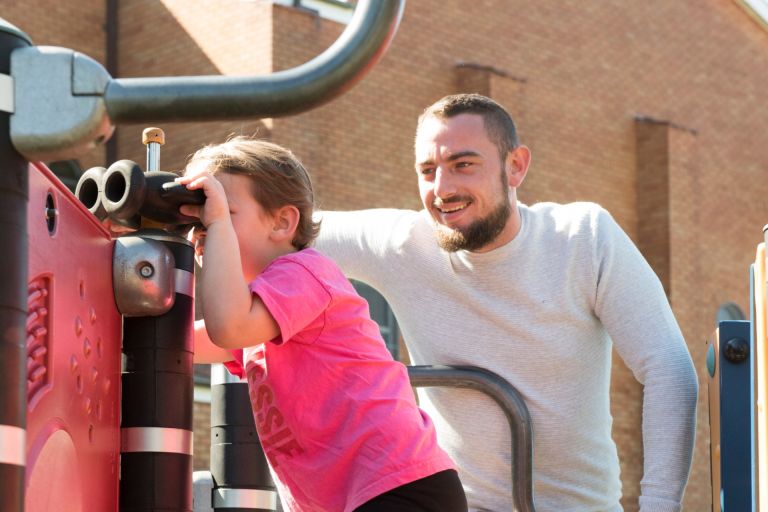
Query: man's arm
point(361, 241)
point(633, 307)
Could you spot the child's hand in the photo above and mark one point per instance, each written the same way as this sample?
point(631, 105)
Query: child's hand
point(215, 208)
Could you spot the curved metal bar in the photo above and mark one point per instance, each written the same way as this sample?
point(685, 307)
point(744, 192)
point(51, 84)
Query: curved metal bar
point(510, 401)
point(207, 98)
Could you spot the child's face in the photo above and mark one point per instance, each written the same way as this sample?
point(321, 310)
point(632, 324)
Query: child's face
point(252, 224)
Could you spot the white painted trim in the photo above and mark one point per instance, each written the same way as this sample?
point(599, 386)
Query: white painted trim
point(758, 9)
point(202, 394)
point(332, 10)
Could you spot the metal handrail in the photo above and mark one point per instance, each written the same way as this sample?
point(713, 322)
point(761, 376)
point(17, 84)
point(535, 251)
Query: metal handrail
point(205, 98)
point(510, 401)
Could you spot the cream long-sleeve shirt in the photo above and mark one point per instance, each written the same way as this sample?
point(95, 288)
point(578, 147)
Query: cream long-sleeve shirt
point(542, 311)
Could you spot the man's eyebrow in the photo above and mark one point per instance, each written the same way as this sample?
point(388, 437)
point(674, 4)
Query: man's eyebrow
point(455, 156)
point(462, 154)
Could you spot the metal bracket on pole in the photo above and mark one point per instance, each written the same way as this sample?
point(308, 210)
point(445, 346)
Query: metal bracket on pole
point(60, 111)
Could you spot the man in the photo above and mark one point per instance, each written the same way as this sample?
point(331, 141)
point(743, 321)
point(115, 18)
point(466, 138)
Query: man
point(537, 294)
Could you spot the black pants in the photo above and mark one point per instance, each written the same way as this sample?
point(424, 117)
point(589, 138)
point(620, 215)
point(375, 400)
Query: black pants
point(441, 492)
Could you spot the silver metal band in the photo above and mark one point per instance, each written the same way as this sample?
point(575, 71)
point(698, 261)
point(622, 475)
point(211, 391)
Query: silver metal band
point(184, 282)
point(7, 103)
point(244, 498)
point(156, 439)
point(13, 441)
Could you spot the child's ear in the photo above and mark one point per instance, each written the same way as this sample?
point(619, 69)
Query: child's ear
point(285, 222)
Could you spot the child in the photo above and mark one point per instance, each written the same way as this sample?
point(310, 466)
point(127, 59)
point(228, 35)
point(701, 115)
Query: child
point(335, 413)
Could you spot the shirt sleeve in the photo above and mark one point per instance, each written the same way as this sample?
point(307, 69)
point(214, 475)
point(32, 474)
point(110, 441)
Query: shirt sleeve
point(235, 366)
point(358, 241)
point(632, 305)
point(294, 296)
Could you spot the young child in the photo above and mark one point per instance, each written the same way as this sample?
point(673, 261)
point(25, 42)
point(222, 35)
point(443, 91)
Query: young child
point(335, 413)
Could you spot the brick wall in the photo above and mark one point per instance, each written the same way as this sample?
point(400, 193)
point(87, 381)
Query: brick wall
point(650, 108)
point(202, 436)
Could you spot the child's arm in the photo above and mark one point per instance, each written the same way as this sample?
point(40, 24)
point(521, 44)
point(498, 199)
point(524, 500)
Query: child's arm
point(206, 352)
point(234, 317)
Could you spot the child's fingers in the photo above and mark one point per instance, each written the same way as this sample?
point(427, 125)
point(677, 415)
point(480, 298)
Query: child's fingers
point(207, 183)
point(191, 210)
point(194, 181)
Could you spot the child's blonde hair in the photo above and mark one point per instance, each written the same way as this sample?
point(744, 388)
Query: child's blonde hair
point(278, 178)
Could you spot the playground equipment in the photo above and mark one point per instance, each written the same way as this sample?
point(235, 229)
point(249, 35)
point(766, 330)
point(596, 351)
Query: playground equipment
point(77, 432)
point(737, 365)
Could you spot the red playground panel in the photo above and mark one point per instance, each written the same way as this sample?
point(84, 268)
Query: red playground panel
point(73, 355)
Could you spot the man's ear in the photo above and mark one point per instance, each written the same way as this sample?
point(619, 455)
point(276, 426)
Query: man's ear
point(285, 221)
point(518, 161)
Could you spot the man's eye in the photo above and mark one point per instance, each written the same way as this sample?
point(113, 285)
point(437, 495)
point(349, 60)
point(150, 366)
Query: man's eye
point(425, 171)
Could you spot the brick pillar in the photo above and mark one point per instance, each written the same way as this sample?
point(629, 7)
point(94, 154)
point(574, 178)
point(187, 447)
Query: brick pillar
point(492, 82)
point(653, 205)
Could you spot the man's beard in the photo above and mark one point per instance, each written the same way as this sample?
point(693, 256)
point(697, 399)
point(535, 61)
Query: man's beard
point(479, 233)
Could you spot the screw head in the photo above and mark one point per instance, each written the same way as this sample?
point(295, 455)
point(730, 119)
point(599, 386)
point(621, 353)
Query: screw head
point(736, 350)
point(146, 270)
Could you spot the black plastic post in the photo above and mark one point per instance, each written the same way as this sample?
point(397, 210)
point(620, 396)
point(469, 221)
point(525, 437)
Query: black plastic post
point(157, 397)
point(14, 196)
point(241, 478)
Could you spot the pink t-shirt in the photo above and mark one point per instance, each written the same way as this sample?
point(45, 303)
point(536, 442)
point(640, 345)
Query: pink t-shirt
point(335, 413)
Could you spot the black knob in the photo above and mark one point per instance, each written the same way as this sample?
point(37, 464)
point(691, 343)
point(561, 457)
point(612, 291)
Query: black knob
point(736, 350)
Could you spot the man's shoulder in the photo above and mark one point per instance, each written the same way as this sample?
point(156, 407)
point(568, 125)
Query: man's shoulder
point(577, 209)
point(568, 217)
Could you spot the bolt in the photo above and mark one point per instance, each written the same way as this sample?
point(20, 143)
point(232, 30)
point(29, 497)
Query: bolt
point(146, 270)
point(736, 350)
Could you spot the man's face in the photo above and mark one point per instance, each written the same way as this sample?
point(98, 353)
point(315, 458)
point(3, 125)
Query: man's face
point(463, 183)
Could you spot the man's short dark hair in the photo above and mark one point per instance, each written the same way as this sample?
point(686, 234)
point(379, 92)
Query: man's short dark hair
point(498, 123)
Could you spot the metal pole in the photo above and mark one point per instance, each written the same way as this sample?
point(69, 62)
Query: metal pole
point(14, 196)
point(283, 93)
point(241, 477)
point(510, 401)
point(156, 427)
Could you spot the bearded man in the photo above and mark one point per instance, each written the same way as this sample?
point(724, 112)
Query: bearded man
point(536, 294)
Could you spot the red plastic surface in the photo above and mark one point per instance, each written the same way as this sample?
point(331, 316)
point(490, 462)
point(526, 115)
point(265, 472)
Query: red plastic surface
point(73, 355)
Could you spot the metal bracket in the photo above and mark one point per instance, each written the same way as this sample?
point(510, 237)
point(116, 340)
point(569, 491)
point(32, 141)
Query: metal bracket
point(143, 276)
point(60, 111)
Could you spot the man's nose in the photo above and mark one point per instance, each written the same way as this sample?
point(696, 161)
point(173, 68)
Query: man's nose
point(445, 185)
